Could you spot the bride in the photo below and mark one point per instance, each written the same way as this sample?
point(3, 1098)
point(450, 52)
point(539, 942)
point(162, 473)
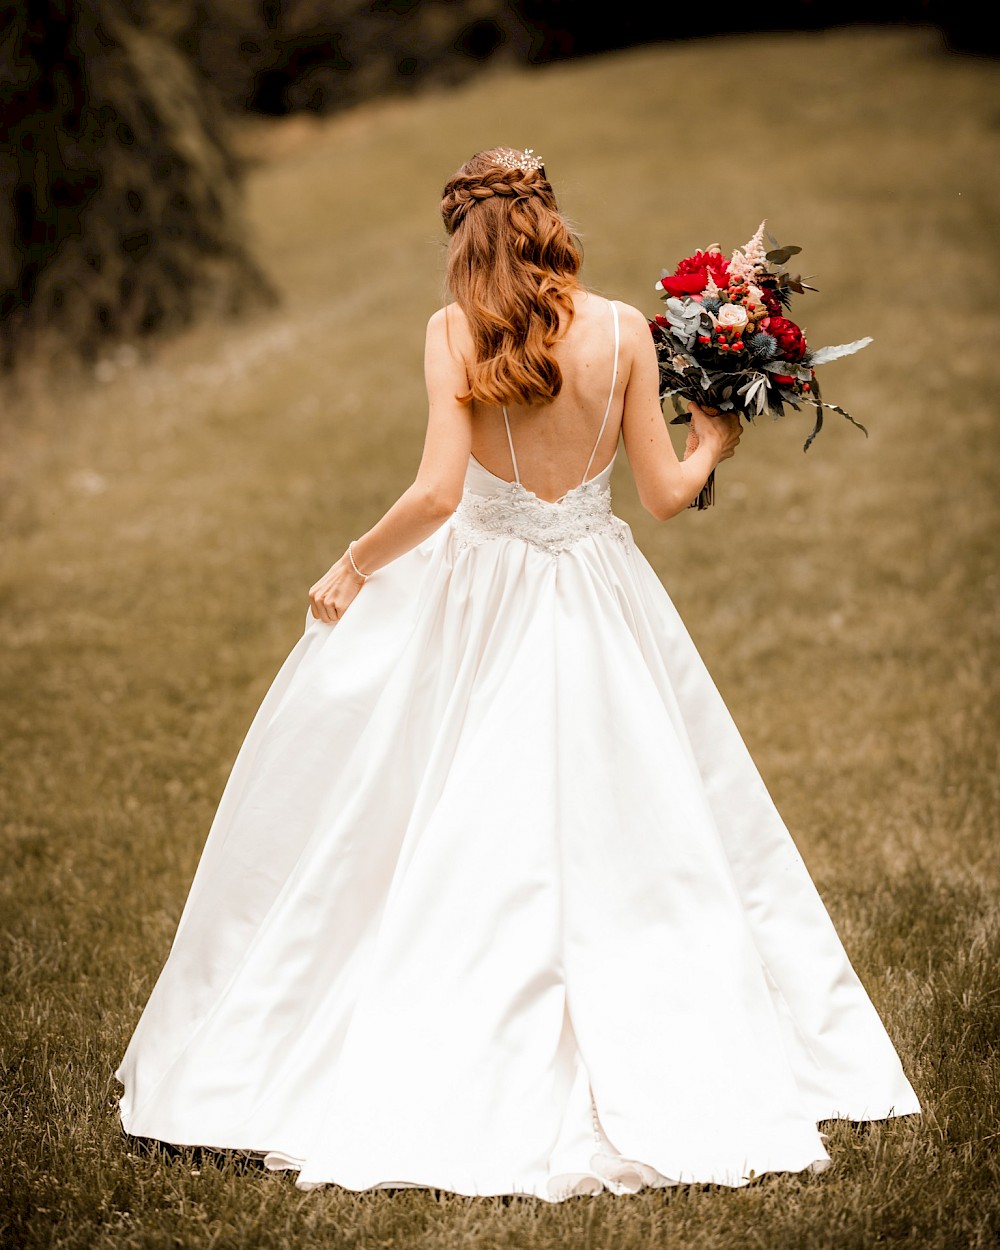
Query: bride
point(495, 900)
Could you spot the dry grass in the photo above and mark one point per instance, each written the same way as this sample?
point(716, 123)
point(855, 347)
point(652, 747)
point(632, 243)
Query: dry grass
point(162, 522)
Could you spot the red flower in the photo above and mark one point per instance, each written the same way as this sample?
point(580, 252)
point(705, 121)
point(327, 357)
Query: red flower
point(790, 339)
point(691, 275)
point(771, 302)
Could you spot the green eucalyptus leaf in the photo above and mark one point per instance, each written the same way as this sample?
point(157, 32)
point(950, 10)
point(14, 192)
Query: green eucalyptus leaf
point(788, 369)
point(778, 255)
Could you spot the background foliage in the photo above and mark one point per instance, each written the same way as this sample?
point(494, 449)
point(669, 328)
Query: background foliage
point(120, 213)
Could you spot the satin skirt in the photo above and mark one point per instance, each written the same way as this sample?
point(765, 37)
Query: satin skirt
point(497, 902)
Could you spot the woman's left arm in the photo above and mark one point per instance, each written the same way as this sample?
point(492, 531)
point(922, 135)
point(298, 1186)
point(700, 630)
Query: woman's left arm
point(437, 489)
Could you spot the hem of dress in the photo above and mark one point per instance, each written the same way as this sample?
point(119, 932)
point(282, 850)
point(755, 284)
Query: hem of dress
point(603, 1171)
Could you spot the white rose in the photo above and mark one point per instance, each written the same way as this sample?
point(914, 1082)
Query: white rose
point(731, 316)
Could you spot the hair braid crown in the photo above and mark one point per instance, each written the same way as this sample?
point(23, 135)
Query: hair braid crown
point(512, 265)
point(464, 191)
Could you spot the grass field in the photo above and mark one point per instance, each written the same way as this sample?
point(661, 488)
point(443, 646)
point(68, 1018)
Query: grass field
point(163, 516)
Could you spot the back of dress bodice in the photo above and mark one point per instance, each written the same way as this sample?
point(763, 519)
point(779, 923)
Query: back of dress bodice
point(493, 508)
point(481, 481)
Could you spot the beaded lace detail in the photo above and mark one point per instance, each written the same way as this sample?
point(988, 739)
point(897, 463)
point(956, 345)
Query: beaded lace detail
point(551, 527)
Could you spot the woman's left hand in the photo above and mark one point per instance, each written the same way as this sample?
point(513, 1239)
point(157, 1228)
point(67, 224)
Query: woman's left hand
point(335, 591)
point(693, 441)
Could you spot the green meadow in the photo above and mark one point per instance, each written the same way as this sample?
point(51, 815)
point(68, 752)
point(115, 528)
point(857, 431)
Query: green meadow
point(163, 514)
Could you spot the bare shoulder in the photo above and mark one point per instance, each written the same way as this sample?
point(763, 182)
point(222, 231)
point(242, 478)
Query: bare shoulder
point(637, 342)
point(448, 329)
point(449, 320)
point(632, 319)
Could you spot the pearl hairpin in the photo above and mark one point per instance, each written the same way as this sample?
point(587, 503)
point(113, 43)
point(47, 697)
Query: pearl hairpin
point(509, 158)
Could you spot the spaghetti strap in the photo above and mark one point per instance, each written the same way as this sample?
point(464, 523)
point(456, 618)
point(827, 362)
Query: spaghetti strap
point(607, 410)
point(510, 444)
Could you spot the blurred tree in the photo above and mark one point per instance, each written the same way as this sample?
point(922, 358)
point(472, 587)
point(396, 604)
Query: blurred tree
point(278, 56)
point(119, 210)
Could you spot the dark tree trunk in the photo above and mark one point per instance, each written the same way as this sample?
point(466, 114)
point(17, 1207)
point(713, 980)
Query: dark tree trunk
point(119, 201)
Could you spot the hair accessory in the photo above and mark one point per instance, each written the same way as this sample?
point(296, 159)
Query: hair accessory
point(510, 158)
point(350, 555)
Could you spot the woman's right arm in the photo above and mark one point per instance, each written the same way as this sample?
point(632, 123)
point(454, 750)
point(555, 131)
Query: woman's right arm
point(435, 494)
point(666, 485)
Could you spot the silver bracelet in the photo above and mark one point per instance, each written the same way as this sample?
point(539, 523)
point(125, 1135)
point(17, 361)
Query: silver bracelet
point(350, 555)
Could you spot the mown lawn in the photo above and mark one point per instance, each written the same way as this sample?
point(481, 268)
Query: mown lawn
point(162, 518)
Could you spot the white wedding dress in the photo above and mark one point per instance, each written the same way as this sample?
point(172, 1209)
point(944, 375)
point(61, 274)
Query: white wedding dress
point(496, 901)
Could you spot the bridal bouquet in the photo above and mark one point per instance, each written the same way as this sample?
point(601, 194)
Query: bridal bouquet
point(727, 342)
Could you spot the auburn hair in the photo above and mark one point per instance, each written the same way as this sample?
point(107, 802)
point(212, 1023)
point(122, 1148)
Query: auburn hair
point(512, 266)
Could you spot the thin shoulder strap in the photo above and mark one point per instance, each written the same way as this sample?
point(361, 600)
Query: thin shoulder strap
point(607, 410)
point(510, 444)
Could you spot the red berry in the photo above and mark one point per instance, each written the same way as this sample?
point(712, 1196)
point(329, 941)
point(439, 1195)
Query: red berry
point(806, 386)
point(738, 346)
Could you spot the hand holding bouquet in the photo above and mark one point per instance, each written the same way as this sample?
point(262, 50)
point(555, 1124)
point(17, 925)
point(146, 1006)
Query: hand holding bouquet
point(726, 342)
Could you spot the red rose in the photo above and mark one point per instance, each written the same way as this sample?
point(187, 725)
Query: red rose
point(790, 339)
point(691, 275)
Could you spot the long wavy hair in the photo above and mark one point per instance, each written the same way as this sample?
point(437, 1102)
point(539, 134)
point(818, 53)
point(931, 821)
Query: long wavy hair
point(512, 266)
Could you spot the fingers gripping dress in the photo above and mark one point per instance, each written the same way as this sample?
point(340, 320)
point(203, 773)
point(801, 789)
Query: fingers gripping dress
point(496, 901)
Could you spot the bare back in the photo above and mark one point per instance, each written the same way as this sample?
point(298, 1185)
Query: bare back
point(554, 442)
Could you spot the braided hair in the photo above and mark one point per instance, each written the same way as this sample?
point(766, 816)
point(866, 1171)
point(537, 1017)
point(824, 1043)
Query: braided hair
point(512, 266)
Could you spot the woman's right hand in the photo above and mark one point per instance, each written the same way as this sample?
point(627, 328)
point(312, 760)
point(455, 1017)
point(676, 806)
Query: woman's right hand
point(719, 429)
point(336, 590)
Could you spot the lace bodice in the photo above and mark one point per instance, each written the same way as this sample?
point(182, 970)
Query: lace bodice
point(492, 508)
